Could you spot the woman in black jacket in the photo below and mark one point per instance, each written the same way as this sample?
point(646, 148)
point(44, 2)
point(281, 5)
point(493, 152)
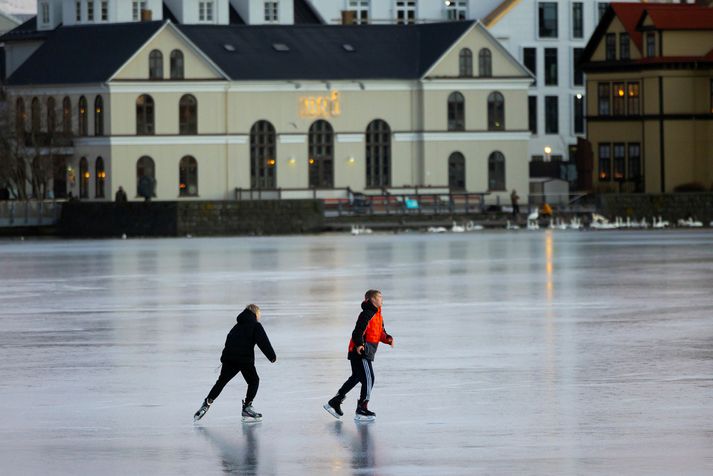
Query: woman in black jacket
point(239, 356)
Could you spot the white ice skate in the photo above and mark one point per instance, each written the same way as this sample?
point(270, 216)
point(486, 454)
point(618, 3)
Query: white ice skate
point(249, 414)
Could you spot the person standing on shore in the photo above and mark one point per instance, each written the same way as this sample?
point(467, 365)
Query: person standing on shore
point(514, 199)
point(368, 332)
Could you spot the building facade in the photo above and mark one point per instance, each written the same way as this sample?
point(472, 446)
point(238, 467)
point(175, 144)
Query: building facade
point(200, 111)
point(650, 98)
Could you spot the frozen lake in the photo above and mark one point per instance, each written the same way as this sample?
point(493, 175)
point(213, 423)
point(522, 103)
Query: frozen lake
point(516, 353)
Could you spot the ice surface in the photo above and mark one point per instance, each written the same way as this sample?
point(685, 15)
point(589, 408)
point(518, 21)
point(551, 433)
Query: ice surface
point(516, 353)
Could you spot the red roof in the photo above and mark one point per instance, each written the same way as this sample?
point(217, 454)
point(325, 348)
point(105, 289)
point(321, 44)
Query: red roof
point(664, 17)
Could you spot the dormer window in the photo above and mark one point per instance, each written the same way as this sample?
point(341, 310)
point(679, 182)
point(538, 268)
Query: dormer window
point(136, 8)
point(650, 44)
point(624, 46)
point(205, 11)
point(78, 11)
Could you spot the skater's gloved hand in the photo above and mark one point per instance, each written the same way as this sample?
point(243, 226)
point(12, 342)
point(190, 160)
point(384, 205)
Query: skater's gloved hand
point(390, 341)
point(274, 360)
point(360, 349)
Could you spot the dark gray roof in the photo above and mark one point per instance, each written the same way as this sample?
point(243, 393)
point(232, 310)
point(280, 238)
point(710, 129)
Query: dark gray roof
point(83, 54)
point(321, 51)
point(93, 53)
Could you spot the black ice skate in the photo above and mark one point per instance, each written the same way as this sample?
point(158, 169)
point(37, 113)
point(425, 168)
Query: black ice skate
point(334, 406)
point(201, 411)
point(363, 413)
point(249, 413)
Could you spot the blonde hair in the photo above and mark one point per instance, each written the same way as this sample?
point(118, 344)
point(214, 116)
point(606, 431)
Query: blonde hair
point(254, 308)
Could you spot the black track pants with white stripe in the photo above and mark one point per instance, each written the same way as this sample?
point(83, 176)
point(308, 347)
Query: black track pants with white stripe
point(362, 372)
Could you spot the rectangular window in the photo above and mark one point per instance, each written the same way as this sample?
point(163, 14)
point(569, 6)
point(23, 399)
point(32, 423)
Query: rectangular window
point(205, 11)
point(624, 46)
point(633, 99)
point(577, 20)
point(529, 59)
point(634, 163)
point(136, 8)
point(601, 9)
point(604, 162)
point(45, 12)
point(651, 44)
point(405, 12)
point(579, 114)
point(361, 11)
point(619, 160)
point(456, 10)
point(272, 13)
point(611, 46)
point(552, 115)
point(532, 113)
point(550, 66)
point(547, 19)
point(78, 11)
point(619, 100)
point(578, 79)
point(603, 95)
point(90, 10)
point(105, 11)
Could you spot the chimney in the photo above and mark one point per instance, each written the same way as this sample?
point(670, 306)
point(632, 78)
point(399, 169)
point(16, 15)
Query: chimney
point(348, 17)
point(145, 15)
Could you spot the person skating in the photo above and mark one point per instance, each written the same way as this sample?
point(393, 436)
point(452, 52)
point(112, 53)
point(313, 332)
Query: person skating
point(239, 356)
point(368, 332)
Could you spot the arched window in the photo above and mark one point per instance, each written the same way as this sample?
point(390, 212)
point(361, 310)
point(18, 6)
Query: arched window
point(144, 115)
point(465, 61)
point(263, 156)
point(155, 65)
point(20, 117)
point(456, 171)
point(188, 177)
point(456, 112)
point(145, 177)
point(485, 63)
point(84, 177)
point(83, 116)
point(378, 154)
point(99, 116)
point(51, 115)
point(99, 178)
point(36, 119)
point(321, 155)
point(176, 64)
point(496, 171)
point(67, 115)
point(496, 112)
point(188, 115)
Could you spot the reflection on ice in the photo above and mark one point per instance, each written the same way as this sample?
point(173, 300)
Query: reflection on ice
point(522, 352)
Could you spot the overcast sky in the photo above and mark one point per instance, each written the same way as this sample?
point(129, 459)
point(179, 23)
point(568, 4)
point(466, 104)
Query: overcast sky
point(18, 6)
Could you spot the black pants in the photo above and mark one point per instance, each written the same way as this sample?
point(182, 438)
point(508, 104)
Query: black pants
point(362, 372)
point(228, 371)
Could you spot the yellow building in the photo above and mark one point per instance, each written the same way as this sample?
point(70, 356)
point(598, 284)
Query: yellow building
point(650, 98)
point(200, 111)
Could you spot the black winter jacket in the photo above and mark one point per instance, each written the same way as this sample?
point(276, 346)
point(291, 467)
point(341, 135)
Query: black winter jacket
point(240, 344)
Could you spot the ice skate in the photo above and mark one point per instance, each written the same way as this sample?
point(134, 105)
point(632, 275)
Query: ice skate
point(202, 410)
point(249, 413)
point(363, 413)
point(334, 406)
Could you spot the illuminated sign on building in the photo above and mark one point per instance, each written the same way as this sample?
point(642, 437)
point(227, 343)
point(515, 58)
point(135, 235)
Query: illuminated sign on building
point(321, 106)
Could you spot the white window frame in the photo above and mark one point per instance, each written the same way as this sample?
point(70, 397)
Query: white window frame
point(571, 21)
point(104, 10)
point(453, 8)
point(559, 37)
point(271, 11)
point(78, 11)
point(45, 13)
point(360, 7)
point(206, 11)
point(405, 6)
point(90, 10)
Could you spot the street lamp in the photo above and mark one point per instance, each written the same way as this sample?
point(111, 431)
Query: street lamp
point(548, 153)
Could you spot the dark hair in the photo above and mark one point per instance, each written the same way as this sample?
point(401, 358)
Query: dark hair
point(371, 293)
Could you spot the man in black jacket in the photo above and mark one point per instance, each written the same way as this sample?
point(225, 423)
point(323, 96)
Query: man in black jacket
point(239, 356)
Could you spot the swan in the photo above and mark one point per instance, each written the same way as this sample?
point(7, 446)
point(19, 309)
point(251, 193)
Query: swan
point(510, 226)
point(437, 229)
point(470, 226)
point(456, 228)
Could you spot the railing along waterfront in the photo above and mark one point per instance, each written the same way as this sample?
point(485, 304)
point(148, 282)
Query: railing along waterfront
point(15, 213)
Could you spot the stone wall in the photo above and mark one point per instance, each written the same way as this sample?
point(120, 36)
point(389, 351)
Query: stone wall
point(670, 206)
point(104, 219)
